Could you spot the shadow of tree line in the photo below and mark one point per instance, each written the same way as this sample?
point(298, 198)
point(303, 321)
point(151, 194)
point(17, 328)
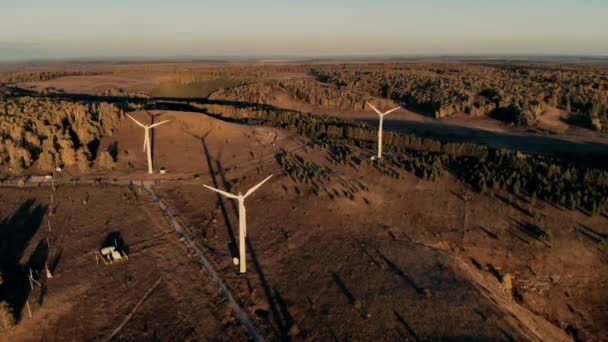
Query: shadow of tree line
point(16, 233)
point(166, 103)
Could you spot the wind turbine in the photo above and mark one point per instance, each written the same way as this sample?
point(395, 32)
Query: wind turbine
point(242, 219)
point(147, 146)
point(381, 116)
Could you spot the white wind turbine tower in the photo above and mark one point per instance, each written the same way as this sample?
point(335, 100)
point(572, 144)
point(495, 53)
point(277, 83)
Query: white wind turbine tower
point(147, 146)
point(242, 219)
point(381, 116)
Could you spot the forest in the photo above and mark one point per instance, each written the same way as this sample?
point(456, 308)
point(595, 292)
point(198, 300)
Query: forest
point(305, 90)
point(512, 93)
point(47, 133)
point(35, 76)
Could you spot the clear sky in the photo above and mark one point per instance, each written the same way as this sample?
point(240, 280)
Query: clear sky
point(32, 29)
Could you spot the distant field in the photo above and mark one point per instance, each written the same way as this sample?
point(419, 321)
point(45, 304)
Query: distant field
point(195, 89)
point(88, 84)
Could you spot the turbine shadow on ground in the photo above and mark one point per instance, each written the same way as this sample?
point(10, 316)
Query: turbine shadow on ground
point(232, 245)
point(277, 304)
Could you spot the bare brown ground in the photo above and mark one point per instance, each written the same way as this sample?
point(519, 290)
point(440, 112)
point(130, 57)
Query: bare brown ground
point(400, 260)
point(403, 253)
point(484, 122)
point(183, 145)
point(551, 120)
point(87, 301)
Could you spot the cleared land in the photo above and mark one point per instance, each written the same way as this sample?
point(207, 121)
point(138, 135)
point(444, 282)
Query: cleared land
point(440, 241)
point(323, 265)
point(88, 301)
point(186, 145)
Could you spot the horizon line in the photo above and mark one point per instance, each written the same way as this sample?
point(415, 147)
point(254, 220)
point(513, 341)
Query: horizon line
point(295, 58)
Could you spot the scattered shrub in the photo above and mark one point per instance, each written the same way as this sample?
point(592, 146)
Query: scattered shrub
point(7, 318)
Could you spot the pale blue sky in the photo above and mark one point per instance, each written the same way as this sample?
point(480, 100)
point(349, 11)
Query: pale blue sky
point(31, 29)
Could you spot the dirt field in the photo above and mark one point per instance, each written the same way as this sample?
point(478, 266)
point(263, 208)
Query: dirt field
point(404, 253)
point(87, 301)
point(353, 255)
point(198, 138)
point(199, 89)
point(91, 84)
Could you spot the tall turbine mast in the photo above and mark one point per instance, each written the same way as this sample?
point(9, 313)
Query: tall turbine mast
point(381, 116)
point(242, 219)
point(147, 146)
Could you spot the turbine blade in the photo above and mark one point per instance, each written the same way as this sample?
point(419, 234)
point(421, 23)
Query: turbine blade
point(227, 194)
point(374, 108)
point(137, 122)
point(158, 124)
point(145, 142)
point(392, 110)
point(250, 191)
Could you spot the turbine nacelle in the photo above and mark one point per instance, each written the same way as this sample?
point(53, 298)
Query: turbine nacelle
point(381, 113)
point(240, 194)
point(147, 127)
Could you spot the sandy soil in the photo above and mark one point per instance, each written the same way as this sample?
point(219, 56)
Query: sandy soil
point(87, 301)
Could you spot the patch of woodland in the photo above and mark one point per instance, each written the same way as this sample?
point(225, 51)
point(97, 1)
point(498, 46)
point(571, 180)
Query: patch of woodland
point(306, 90)
point(47, 133)
point(515, 94)
point(40, 75)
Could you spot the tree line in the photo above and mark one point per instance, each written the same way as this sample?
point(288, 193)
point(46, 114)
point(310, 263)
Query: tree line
point(38, 76)
point(306, 90)
point(517, 93)
point(563, 181)
point(47, 133)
